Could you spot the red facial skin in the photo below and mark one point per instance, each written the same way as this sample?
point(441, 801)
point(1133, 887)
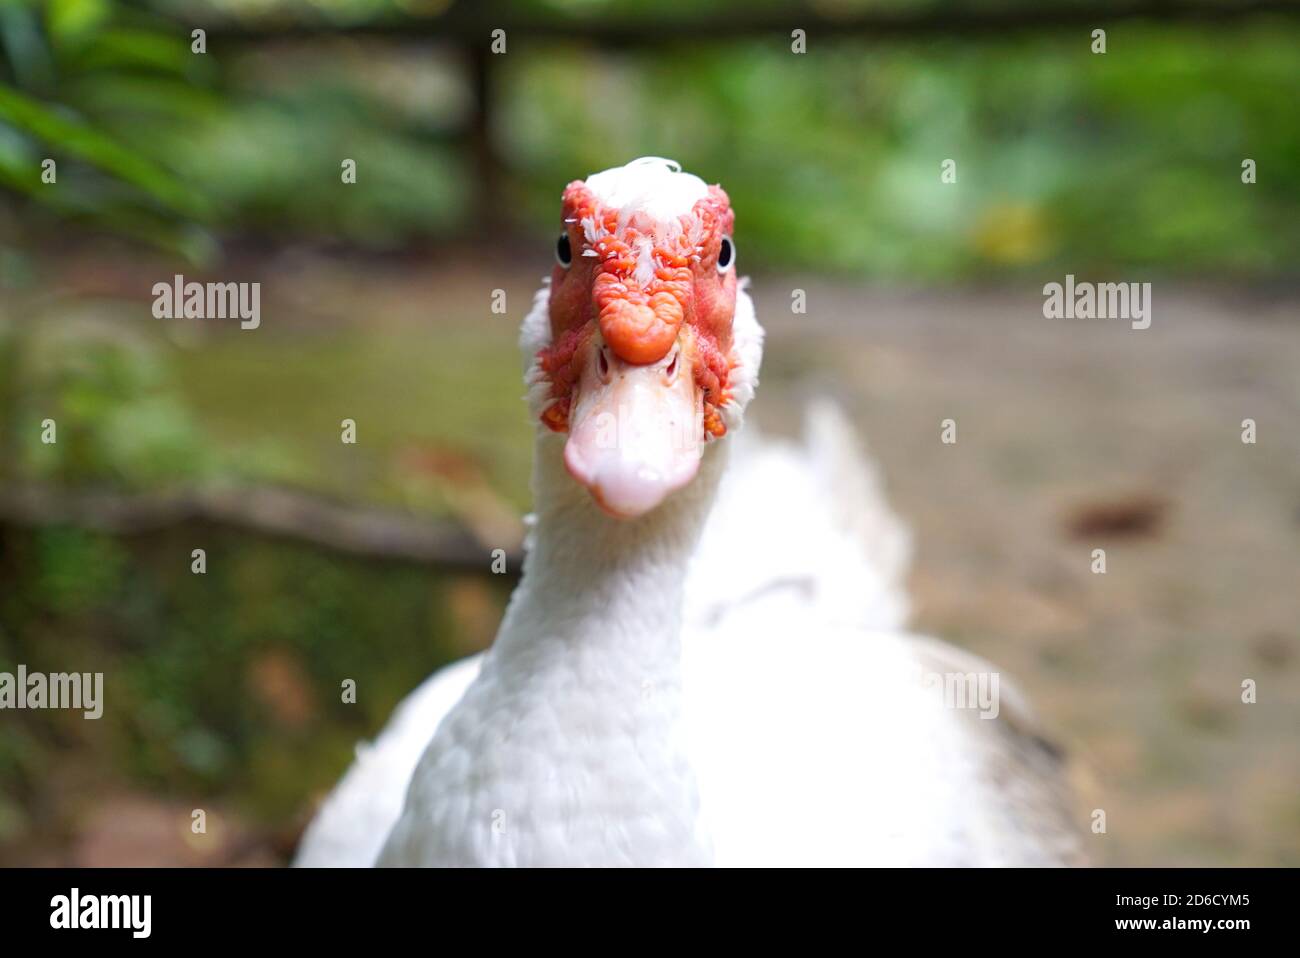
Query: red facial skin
point(640, 323)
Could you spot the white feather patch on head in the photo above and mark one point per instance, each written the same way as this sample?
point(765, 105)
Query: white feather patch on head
point(650, 185)
point(747, 352)
point(534, 336)
point(535, 333)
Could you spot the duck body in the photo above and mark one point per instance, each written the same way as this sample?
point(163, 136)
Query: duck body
point(718, 677)
point(810, 728)
point(779, 731)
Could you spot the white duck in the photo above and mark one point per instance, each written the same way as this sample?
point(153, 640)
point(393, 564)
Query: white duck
point(693, 669)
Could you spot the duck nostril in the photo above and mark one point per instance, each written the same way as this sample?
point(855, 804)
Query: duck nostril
point(602, 363)
point(672, 367)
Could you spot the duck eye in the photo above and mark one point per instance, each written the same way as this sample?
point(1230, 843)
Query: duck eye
point(563, 251)
point(726, 254)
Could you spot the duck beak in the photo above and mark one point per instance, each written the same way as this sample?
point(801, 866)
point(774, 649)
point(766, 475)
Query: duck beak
point(636, 432)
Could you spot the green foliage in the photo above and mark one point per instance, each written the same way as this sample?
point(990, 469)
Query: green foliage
point(49, 109)
point(224, 683)
point(75, 138)
point(75, 571)
point(274, 164)
point(160, 144)
point(1065, 159)
point(116, 413)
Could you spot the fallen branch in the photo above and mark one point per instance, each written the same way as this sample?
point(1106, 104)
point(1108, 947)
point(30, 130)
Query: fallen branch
point(285, 513)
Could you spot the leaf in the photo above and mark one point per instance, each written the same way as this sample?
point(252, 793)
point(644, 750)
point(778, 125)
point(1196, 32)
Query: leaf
point(72, 135)
point(74, 19)
point(23, 43)
point(121, 49)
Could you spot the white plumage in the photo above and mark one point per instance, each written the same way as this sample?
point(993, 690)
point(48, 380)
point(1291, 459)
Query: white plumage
point(722, 681)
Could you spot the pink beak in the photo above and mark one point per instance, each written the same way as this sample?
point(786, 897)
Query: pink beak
point(636, 432)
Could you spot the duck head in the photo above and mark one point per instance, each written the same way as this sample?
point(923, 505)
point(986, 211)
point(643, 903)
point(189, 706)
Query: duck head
point(642, 367)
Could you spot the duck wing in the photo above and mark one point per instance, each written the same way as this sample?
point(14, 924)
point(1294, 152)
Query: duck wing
point(817, 744)
point(809, 515)
point(824, 734)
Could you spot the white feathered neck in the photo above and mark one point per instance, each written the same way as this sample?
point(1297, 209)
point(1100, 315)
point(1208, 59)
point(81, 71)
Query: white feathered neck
point(567, 748)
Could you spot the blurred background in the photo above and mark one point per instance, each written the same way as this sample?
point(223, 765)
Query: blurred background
point(371, 561)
